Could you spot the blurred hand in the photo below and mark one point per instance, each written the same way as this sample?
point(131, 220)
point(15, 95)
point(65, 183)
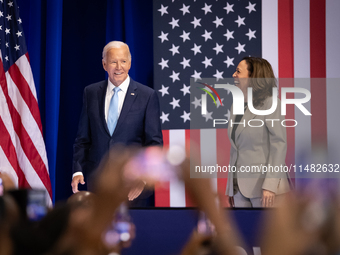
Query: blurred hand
point(197, 244)
point(285, 231)
point(7, 181)
point(268, 198)
point(75, 181)
point(136, 190)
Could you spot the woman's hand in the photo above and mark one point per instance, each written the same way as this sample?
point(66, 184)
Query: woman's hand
point(230, 201)
point(268, 198)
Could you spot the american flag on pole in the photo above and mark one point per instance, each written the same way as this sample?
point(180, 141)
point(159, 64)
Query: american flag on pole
point(22, 147)
point(207, 39)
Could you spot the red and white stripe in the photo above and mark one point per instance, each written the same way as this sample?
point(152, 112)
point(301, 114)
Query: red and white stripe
point(213, 146)
point(22, 148)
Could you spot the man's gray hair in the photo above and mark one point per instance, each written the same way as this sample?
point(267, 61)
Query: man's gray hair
point(115, 44)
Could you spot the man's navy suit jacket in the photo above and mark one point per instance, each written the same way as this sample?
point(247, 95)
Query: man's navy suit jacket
point(138, 124)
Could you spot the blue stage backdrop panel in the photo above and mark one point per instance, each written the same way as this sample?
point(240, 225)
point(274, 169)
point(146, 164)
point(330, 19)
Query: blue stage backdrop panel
point(83, 37)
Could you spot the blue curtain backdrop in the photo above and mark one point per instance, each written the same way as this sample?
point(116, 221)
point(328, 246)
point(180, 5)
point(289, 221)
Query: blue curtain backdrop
point(65, 41)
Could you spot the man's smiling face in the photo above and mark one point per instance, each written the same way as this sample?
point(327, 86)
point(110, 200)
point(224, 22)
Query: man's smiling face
point(117, 64)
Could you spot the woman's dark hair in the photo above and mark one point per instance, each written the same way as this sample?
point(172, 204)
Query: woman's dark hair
point(262, 79)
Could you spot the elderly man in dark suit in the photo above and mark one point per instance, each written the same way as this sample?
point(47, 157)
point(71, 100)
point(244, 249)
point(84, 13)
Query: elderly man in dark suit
point(115, 111)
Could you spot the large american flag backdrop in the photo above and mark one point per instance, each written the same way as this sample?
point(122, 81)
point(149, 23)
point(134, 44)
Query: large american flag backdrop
point(22, 148)
point(207, 39)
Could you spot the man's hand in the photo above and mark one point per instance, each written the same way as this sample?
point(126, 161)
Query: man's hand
point(268, 198)
point(136, 190)
point(77, 179)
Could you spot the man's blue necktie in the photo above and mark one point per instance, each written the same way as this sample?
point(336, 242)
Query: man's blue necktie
point(113, 111)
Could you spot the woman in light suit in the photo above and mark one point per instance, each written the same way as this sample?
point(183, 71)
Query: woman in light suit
point(253, 148)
